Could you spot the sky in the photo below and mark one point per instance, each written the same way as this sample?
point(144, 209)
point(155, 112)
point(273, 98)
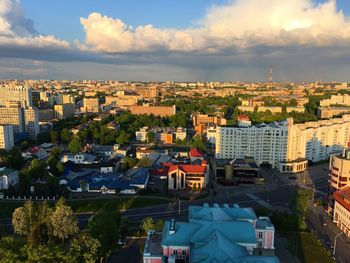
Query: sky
point(179, 40)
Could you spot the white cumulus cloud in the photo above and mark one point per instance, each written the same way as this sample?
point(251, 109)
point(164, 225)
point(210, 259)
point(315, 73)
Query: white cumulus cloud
point(16, 30)
point(238, 24)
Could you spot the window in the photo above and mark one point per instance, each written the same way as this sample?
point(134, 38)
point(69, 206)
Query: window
point(175, 252)
point(184, 252)
point(260, 234)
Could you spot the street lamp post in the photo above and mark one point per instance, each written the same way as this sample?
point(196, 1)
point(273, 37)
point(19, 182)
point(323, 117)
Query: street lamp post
point(178, 198)
point(335, 241)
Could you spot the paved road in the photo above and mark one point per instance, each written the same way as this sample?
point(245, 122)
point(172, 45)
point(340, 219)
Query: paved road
point(280, 197)
point(326, 231)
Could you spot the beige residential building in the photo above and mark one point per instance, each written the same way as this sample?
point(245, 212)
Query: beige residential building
point(272, 109)
point(6, 137)
point(341, 214)
point(64, 111)
point(316, 140)
point(148, 92)
point(339, 175)
point(246, 108)
point(13, 116)
point(343, 100)
point(21, 94)
point(296, 109)
point(330, 112)
point(91, 105)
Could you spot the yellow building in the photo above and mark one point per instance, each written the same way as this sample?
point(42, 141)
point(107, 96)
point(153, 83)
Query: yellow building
point(64, 111)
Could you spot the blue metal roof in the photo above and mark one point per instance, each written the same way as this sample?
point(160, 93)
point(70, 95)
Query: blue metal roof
point(112, 181)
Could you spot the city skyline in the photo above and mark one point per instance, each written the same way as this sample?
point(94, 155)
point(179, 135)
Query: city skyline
point(203, 40)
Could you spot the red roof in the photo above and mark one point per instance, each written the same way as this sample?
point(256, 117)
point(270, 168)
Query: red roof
point(194, 152)
point(243, 117)
point(159, 172)
point(34, 149)
point(343, 197)
point(188, 168)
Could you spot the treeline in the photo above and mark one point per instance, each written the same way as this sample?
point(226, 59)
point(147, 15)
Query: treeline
point(51, 234)
point(98, 131)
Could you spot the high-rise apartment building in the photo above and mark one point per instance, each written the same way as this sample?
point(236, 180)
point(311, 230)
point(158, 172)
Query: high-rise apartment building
point(31, 118)
point(13, 116)
point(284, 144)
point(6, 137)
point(266, 143)
point(17, 93)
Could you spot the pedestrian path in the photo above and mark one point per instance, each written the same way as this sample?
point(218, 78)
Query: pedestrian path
point(259, 200)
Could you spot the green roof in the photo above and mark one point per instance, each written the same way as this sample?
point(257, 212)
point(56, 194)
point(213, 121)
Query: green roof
point(7, 171)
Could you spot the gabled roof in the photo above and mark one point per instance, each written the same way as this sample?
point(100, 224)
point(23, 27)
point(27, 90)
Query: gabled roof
point(194, 152)
point(226, 213)
point(188, 168)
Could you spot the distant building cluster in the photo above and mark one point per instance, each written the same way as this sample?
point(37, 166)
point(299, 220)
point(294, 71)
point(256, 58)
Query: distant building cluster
point(161, 134)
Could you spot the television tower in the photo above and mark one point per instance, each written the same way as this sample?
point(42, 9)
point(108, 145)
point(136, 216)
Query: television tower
point(270, 74)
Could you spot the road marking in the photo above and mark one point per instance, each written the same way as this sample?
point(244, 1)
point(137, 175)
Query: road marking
point(259, 200)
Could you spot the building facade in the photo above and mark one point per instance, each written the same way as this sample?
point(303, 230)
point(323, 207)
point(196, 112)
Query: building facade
point(21, 94)
point(91, 105)
point(13, 116)
point(64, 111)
point(31, 117)
point(266, 143)
point(341, 214)
point(213, 234)
point(8, 177)
point(285, 145)
point(162, 111)
point(339, 176)
point(7, 140)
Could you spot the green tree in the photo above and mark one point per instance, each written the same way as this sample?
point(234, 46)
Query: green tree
point(150, 137)
point(84, 248)
point(127, 163)
point(197, 142)
point(293, 102)
point(66, 135)
point(14, 159)
point(147, 224)
point(43, 137)
point(145, 162)
point(37, 169)
point(104, 226)
point(159, 225)
point(64, 223)
point(123, 137)
point(31, 221)
point(75, 146)
point(54, 136)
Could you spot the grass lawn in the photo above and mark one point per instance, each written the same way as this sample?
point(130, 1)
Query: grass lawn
point(81, 206)
point(307, 248)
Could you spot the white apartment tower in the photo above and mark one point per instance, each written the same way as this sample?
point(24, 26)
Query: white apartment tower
point(266, 143)
point(285, 145)
point(6, 137)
